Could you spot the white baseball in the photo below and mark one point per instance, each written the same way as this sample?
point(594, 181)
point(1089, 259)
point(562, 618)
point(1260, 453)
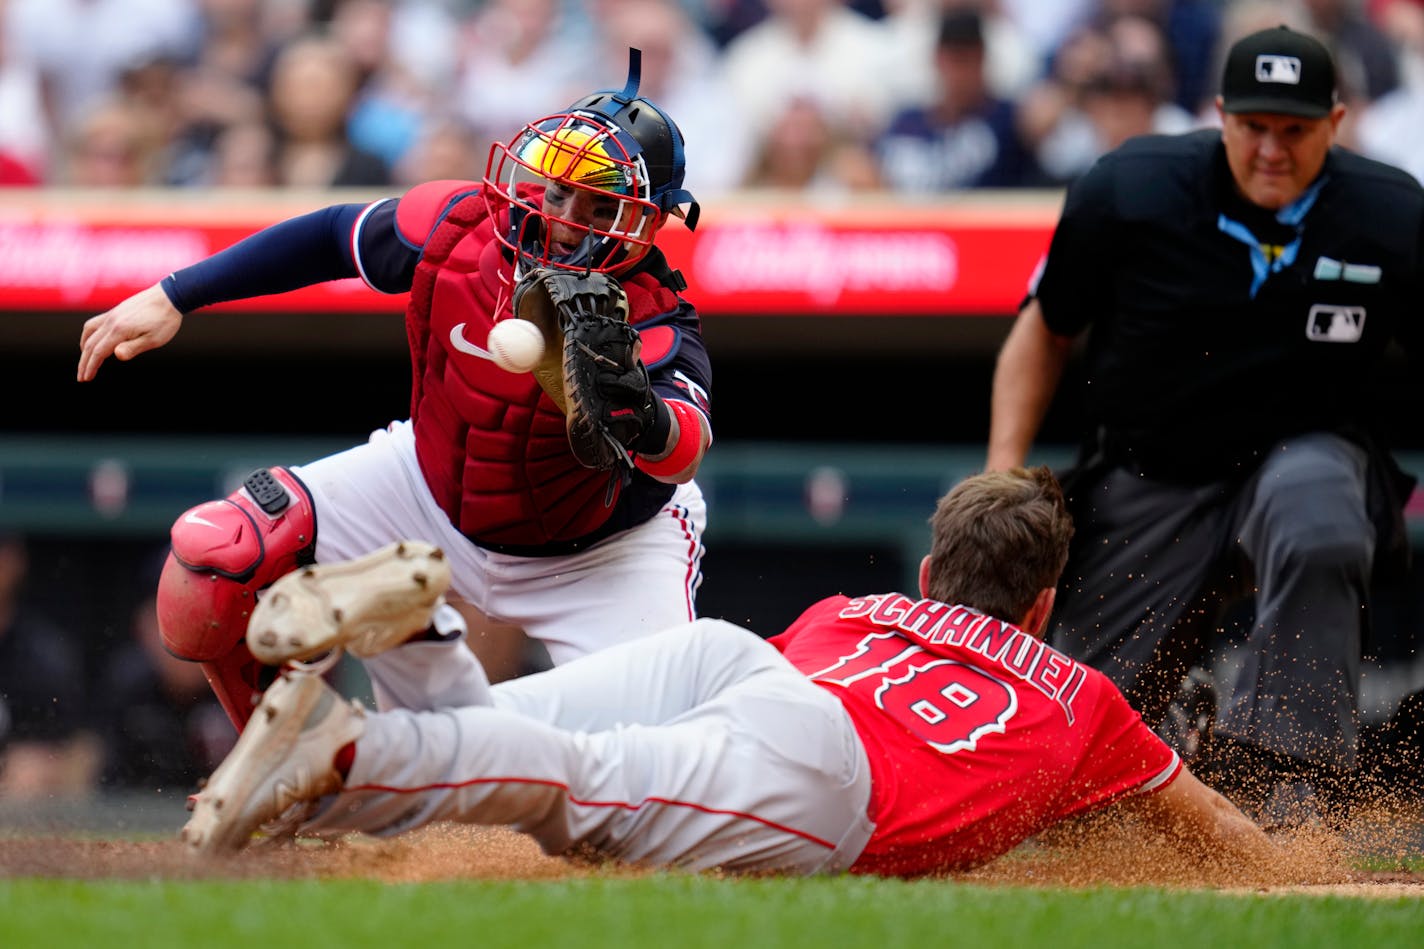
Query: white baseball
point(516, 345)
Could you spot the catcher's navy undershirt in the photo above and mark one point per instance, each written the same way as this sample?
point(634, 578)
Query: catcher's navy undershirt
point(299, 252)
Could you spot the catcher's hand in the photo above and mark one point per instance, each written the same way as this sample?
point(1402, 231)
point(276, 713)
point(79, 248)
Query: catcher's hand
point(592, 368)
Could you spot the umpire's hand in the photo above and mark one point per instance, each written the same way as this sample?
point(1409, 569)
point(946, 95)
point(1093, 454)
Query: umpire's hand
point(146, 320)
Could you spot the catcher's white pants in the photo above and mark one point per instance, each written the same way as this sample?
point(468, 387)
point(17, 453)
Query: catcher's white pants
point(627, 586)
point(698, 747)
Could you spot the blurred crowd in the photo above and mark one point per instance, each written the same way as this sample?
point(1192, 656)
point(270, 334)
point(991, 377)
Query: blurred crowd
point(819, 96)
point(89, 710)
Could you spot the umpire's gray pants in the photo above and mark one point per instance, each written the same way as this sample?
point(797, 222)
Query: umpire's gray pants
point(1153, 563)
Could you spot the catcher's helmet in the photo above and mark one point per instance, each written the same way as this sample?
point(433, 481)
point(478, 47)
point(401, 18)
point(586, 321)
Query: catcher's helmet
point(616, 147)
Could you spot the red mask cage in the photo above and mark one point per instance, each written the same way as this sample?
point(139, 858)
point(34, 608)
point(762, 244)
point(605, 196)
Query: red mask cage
point(571, 192)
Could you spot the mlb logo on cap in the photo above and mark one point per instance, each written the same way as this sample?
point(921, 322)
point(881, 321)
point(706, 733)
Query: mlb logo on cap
point(1271, 68)
point(1279, 71)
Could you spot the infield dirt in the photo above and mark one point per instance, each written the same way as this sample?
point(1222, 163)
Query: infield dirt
point(1084, 854)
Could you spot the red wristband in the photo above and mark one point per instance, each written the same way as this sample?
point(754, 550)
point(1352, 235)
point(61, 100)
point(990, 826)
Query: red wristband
point(689, 443)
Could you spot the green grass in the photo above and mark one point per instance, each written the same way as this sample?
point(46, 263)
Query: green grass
point(1411, 863)
point(678, 911)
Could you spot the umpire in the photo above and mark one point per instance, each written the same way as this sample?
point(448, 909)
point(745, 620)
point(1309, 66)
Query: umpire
point(1240, 288)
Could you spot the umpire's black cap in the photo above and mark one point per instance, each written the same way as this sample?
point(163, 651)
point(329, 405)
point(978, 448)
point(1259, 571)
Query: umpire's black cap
point(1281, 71)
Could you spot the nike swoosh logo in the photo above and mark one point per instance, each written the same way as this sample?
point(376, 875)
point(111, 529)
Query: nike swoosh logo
point(195, 519)
point(458, 340)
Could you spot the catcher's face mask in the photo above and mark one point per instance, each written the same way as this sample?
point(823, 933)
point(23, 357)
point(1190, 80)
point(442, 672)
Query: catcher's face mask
point(588, 188)
point(577, 193)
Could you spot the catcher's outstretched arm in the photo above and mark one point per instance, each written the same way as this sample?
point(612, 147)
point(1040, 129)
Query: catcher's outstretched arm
point(294, 253)
point(298, 252)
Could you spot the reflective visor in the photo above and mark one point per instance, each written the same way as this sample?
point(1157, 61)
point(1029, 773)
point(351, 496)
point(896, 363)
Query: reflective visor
point(577, 152)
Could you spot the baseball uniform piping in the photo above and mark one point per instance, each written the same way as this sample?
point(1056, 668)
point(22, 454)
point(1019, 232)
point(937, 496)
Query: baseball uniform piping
point(623, 805)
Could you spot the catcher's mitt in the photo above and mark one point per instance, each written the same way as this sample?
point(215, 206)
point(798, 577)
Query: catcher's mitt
point(591, 368)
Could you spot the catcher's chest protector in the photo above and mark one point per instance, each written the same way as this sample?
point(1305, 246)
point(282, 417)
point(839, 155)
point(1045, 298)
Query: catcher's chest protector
point(492, 447)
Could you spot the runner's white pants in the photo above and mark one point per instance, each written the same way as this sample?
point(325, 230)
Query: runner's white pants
point(697, 747)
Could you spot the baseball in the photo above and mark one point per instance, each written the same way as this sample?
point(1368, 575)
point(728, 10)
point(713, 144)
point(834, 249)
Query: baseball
point(516, 345)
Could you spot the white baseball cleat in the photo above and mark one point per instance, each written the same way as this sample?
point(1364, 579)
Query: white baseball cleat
point(365, 606)
point(285, 756)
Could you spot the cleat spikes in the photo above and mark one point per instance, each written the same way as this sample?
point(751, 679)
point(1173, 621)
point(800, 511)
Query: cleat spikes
point(366, 606)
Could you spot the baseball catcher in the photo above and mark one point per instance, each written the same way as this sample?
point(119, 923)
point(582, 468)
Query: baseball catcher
point(591, 368)
point(504, 459)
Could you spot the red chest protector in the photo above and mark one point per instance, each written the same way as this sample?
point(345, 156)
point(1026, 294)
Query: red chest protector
point(491, 444)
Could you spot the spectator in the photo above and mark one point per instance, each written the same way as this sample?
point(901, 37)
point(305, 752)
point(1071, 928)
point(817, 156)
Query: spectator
point(238, 38)
point(116, 144)
point(1124, 89)
point(15, 174)
point(1086, 54)
point(24, 123)
point(1047, 24)
point(1367, 63)
point(244, 155)
point(818, 50)
point(1011, 64)
point(154, 90)
point(314, 86)
point(1391, 128)
point(221, 87)
point(44, 747)
point(424, 41)
point(518, 60)
point(392, 101)
point(966, 138)
point(1402, 22)
point(1192, 29)
point(1134, 96)
point(162, 727)
point(446, 148)
point(683, 73)
point(805, 151)
point(82, 46)
point(725, 20)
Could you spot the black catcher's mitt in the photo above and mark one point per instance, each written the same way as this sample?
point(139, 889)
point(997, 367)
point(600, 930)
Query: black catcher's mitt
point(594, 373)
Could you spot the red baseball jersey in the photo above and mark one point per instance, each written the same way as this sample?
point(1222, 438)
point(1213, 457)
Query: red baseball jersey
point(979, 735)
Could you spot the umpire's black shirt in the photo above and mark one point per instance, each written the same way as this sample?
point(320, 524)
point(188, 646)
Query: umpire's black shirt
point(1219, 327)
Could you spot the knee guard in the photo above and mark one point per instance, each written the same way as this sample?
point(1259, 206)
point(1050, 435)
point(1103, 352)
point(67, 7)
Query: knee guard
point(223, 552)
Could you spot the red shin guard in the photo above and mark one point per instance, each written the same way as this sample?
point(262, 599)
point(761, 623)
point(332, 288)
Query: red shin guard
point(223, 553)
